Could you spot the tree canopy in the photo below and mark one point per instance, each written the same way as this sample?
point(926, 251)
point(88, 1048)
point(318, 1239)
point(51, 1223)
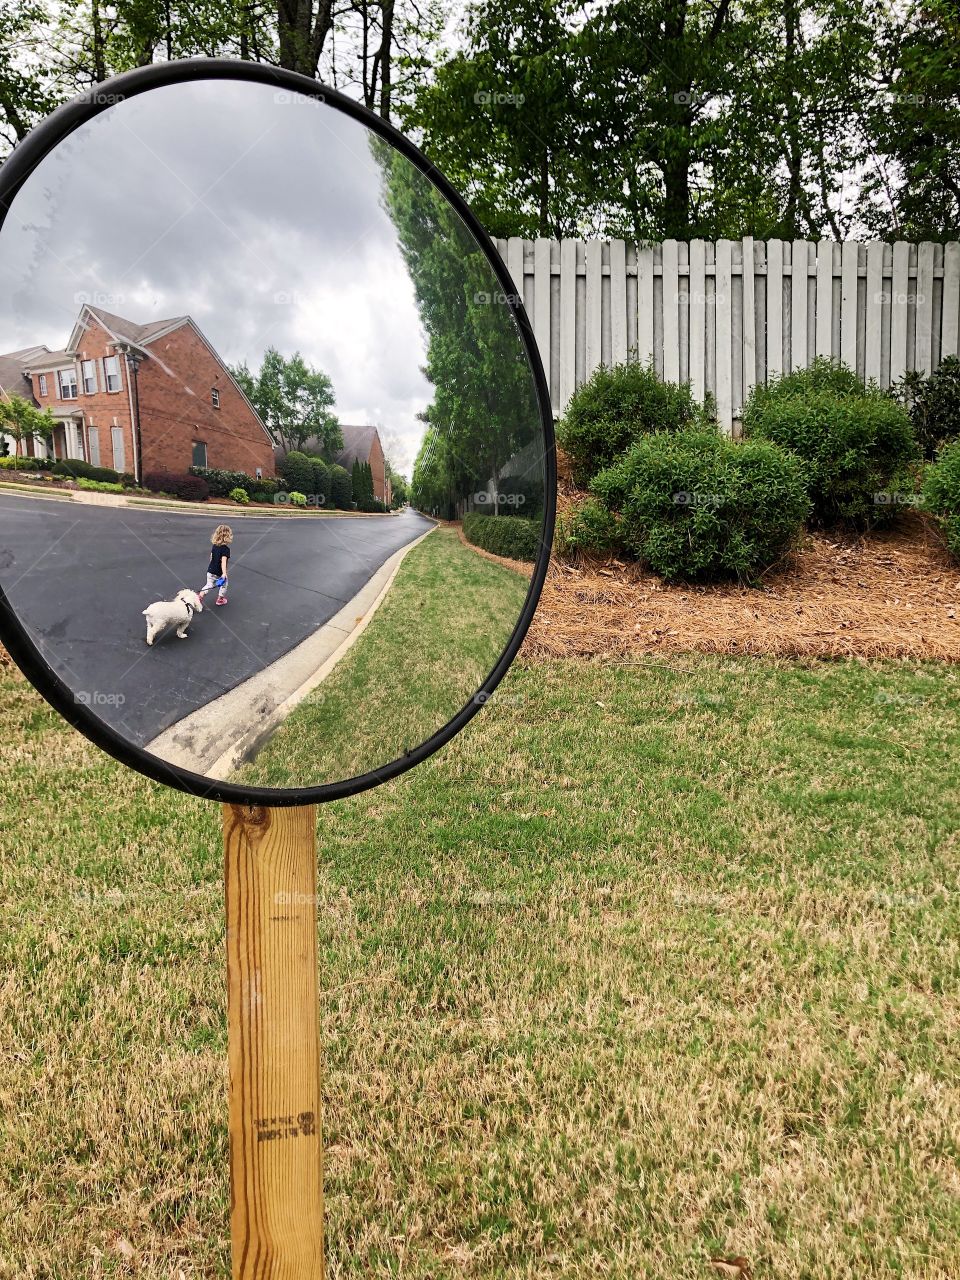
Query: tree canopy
point(294, 400)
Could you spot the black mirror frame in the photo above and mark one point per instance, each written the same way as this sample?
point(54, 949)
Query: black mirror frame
point(24, 158)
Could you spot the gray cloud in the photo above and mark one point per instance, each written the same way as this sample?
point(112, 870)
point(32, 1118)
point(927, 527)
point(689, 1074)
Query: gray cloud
point(255, 211)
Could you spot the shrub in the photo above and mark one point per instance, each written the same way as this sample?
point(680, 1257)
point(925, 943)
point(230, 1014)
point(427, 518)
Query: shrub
point(516, 539)
point(592, 528)
point(298, 499)
point(698, 505)
point(99, 486)
point(615, 407)
point(188, 487)
point(934, 404)
point(822, 374)
point(220, 482)
point(341, 487)
point(941, 494)
point(75, 468)
point(854, 447)
point(22, 464)
point(297, 469)
point(128, 480)
point(239, 495)
point(321, 480)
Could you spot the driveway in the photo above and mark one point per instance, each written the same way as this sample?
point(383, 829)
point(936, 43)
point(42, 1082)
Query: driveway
point(79, 577)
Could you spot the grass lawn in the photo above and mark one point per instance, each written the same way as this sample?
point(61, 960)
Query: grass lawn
point(436, 636)
point(656, 963)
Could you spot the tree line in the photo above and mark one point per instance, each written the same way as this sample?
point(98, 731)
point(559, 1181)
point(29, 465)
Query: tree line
point(636, 118)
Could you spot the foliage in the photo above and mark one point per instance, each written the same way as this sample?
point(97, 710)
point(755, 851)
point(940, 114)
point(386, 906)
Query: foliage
point(941, 494)
point(857, 444)
point(239, 495)
point(362, 483)
point(21, 419)
point(517, 539)
point(320, 480)
point(24, 464)
point(341, 488)
point(296, 469)
point(698, 505)
point(294, 400)
point(298, 499)
point(185, 486)
point(221, 482)
point(74, 468)
point(731, 122)
point(99, 486)
point(934, 404)
point(591, 527)
point(484, 408)
point(614, 407)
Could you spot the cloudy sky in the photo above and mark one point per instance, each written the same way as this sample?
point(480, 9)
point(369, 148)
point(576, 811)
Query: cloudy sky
point(255, 211)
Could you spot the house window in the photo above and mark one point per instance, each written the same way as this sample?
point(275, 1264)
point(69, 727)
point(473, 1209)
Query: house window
point(43, 384)
point(111, 372)
point(119, 456)
point(93, 444)
point(88, 372)
point(67, 380)
point(215, 398)
point(199, 453)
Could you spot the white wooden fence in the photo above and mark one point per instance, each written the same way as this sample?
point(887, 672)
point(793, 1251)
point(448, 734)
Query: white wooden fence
point(729, 314)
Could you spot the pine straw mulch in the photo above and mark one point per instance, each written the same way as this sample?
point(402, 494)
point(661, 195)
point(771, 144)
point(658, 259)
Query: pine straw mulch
point(892, 594)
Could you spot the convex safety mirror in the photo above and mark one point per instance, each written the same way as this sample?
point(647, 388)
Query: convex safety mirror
point(277, 490)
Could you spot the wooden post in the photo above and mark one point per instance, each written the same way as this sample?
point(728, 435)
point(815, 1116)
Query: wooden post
point(276, 1167)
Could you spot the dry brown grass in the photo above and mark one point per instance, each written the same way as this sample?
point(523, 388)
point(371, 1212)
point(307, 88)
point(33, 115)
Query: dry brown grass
point(657, 964)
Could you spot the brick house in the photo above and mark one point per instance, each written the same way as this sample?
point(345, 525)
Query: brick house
point(361, 443)
point(165, 376)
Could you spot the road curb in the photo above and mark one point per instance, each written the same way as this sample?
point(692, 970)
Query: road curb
point(92, 497)
point(255, 708)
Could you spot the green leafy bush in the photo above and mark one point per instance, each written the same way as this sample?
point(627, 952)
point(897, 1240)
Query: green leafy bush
point(592, 528)
point(941, 494)
point(297, 470)
point(698, 505)
point(297, 499)
point(75, 468)
point(822, 374)
point(517, 539)
point(99, 486)
point(341, 487)
point(320, 480)
point(615, 407)
point(22, 464)
point(180, 485)
point(239, 495)
point(857, 444)
point(220, 482)
point(934, 404)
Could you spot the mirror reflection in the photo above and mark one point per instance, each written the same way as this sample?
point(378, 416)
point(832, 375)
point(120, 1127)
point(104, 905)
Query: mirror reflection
point(272, 472)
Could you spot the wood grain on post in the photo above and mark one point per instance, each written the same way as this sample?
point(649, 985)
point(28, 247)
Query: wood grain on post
point(276, 1165)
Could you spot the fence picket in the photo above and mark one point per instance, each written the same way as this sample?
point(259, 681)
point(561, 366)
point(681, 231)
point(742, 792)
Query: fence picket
point(950, 327)
point(774, 308)
point(899, 309)
point(724, 288)
point(568, 322)
point(671, 306)
point(799, 271)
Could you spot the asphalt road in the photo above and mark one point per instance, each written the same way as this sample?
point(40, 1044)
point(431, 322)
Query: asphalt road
point(79, 577)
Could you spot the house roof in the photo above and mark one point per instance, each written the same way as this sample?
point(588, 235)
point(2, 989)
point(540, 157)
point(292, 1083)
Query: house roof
point(120, 327)
point(13, 381)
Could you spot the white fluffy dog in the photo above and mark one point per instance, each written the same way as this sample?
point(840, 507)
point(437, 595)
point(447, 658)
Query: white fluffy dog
point(177, 612)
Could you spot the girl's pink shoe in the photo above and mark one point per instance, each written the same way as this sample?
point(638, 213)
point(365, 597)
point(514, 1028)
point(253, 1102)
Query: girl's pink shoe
point(221, 599)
